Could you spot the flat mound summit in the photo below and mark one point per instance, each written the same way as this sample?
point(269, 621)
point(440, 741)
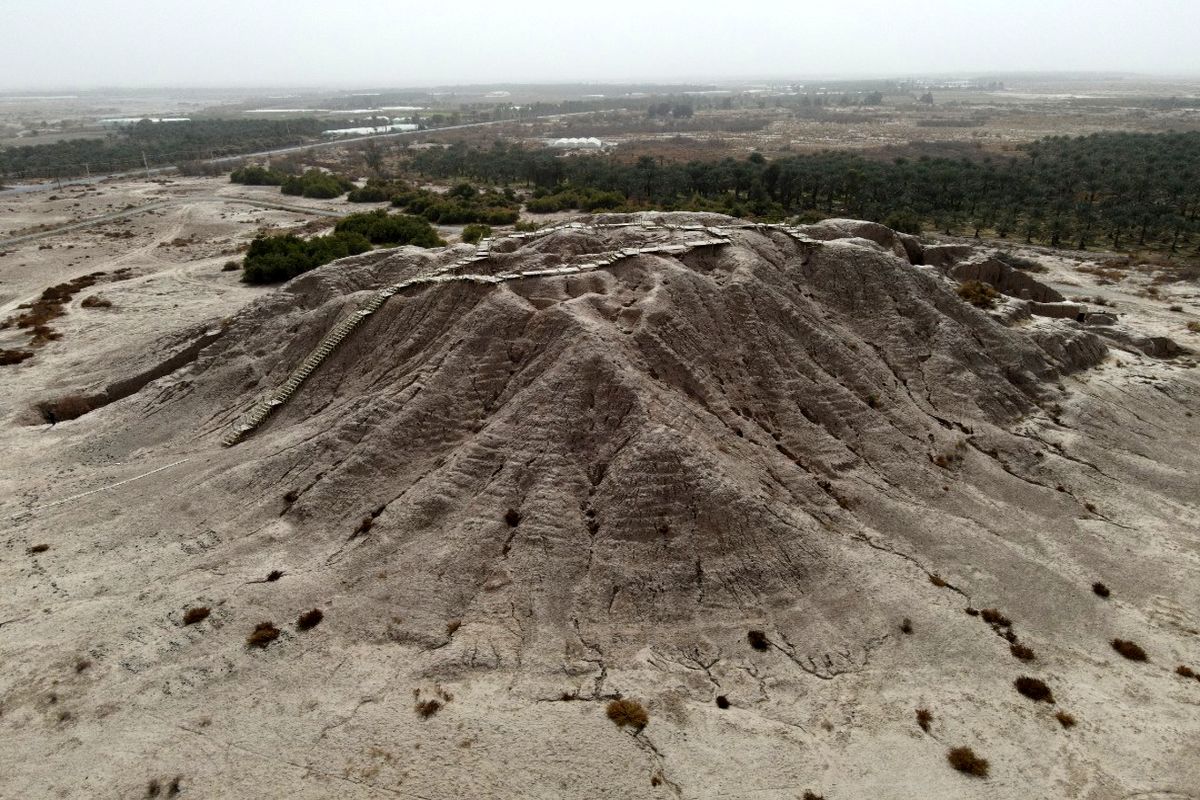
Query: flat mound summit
point(761, 479)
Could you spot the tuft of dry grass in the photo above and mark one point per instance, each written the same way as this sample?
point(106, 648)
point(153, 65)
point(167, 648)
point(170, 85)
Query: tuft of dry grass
point(1022, 652)
point(758, 639)
point(627, 712)
point(1034, 688)
point(978, 294)
point(14, 356)
point(1065, 719)
point(310, 619)
point(263, 635)
point(924, 719)
point(1100, 589)
point(992, 616)
point(964, 759)
point(95, 301)
point(427, 708)
point(195, 614)
point(1129, 650)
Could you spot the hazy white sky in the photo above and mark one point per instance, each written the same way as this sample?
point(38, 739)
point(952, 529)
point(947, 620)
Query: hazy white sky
point(86, 43)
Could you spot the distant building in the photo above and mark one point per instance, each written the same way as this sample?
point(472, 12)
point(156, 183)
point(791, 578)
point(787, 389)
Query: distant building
point(367, 131)
point(120, 122)
point(589, 143)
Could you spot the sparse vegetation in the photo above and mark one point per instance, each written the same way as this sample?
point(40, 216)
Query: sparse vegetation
point(992, 616)
point(1186, 672)
point(924, 719)
point(627, 712)
point(274, 575)
point(255, 175)
point(964, 759)
point(463, 204)
point(272, 259)
point(1034, 688)
point(427, 708)
point(758, 639)
point(1100, 589)
point(382, 228)
point(938, 581)
point(39, 548)
point(1129, 650)
point(95, 301)
point(978, 293)
point(316, 184)
point(473, 233)
point(310, 619)
point(196, 614)
point(1065, 719)
point(264, 633)
point(813, 796)
point(1022, 652)
point(13, 356)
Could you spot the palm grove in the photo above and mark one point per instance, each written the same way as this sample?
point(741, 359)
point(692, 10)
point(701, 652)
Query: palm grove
point(1112, 189)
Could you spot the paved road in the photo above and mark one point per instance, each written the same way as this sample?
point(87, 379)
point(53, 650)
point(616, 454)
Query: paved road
point(42, 187)
point(176, 201)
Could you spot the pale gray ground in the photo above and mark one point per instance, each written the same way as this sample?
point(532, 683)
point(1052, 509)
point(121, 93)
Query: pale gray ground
point(775, 434)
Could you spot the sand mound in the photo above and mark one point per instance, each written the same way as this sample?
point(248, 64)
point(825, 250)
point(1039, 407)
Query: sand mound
point(602, 476)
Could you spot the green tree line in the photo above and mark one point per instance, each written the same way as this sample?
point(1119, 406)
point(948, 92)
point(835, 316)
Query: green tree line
point(163, 143)
point(1115, 189)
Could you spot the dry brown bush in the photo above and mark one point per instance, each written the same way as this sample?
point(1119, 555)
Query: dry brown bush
point(195, 614)
point(427, 708)
point(1100, 589)
point(992, 616)
point(627, 712)
point(1034, 688)
point(310, 619)
point(1065, 719)
point(758, 639)
point(1129, 650)
point(263, 635)
point(13, 356)
point(978, 294)
point(1021, 652)
point(924, 718)
point(964, 759)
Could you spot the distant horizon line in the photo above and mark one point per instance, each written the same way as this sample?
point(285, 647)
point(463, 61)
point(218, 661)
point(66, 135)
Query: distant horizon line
point(55, 90)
